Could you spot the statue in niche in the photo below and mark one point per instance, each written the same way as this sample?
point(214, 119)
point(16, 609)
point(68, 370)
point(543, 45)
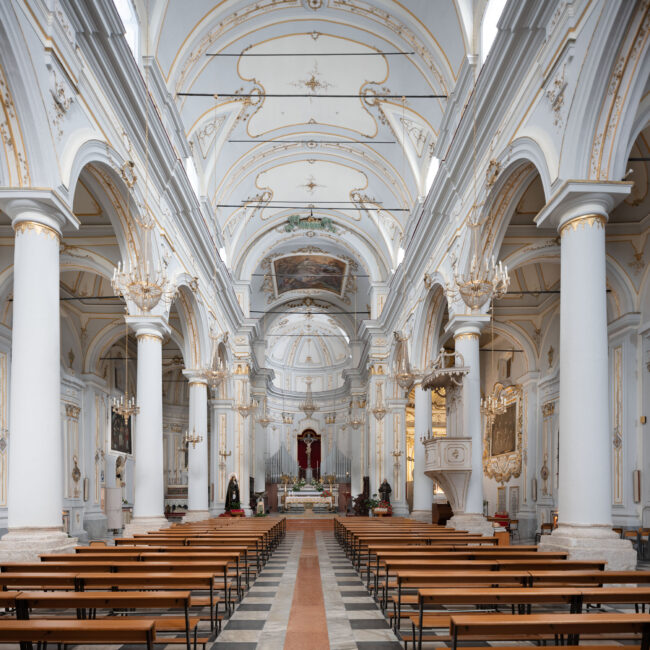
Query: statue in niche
point(384, 491)
point(120, 468)
point(232, 494)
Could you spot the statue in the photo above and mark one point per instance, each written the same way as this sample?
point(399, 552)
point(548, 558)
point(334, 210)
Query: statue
point(232, 494)
point(384, 491)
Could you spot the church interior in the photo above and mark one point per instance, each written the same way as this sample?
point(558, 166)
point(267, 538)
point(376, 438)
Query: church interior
point(313, 313)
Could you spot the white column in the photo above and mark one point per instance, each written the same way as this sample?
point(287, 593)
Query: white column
point(149, 487)
point(396, 465)
point(356, 461)
point(466, 334)
point(467, 344)
point(222, 456)
point(585, 489)
point(260, 457)
point(422, 484)
point(35, 488)
point(197, 461)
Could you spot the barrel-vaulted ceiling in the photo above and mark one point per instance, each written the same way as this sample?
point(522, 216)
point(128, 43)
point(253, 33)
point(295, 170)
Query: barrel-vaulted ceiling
point(351, 169)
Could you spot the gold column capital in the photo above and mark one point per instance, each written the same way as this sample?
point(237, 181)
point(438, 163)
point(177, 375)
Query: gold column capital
point(148, 336)
point(583, 221)
point(39, 228)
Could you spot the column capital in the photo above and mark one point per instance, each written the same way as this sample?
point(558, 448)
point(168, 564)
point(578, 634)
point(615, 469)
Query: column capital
point(195, 376)
point(470, 324)
point(43, 207)
point(154, 326)
point(576, 198)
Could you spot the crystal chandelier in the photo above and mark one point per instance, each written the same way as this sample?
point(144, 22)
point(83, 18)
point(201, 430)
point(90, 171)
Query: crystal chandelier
point(191, 439)
point(356, 417)
point(484, 280)
point(265, 419)
point(403, 374)
point(379, 411)
point(217, 371)
point(125, 405)
point(308, 406)
point(246, 406)
point(491, 406)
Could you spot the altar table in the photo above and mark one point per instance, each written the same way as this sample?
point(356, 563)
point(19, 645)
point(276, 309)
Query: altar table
point(307, 499)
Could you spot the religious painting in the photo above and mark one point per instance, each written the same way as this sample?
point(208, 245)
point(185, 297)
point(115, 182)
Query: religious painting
point(503, 439)
point(317, 272)
point(120, 434)
point(502, 450)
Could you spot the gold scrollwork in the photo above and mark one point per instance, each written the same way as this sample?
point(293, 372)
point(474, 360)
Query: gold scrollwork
point(38, 228)
point(145, 336)
point(469, 336)
point(503, 467)
point(583, 221)
point(548, 409)
point(72, 411)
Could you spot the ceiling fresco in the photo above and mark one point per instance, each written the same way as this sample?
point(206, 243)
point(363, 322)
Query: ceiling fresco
point(310, 272)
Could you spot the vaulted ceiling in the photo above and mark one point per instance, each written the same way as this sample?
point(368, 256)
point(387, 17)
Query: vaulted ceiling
point(349, 170)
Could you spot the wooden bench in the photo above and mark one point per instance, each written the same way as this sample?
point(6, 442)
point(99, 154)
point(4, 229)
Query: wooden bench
point(465, 628)
point(74, 632)
point(86, 604)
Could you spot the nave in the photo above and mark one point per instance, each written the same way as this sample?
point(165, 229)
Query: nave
point(319, 584)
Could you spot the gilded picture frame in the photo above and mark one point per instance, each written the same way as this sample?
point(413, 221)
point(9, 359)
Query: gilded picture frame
point(502, 443)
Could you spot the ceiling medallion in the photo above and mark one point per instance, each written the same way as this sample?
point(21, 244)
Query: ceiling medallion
point(315, 5)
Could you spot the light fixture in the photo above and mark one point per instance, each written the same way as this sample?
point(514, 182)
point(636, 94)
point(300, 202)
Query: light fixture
point(379, 411)
point(308, 406)
point(125, 405)
point(265, 419)
point(246, 406)
point(192, 439)
point(493, 405)
point(217, 372)
point(356, 416)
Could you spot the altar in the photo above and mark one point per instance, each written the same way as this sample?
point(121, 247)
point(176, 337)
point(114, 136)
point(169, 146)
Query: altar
point(308, 500)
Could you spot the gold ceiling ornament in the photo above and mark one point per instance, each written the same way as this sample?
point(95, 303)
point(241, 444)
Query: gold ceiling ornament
point(308, 406)
point(379, 410)
point(403, 374)
point(125, 405)
point(264, 419)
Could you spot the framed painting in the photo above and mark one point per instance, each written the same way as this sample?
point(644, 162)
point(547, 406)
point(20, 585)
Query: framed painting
point(502, 450)
point(513, 501)
point(121, 434)
point(501, 499)
point(305, 272)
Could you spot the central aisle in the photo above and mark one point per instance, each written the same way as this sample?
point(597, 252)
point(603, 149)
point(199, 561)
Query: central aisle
point(308, 597)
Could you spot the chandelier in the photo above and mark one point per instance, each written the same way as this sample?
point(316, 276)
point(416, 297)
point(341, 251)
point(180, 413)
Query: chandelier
point(246, 406)
point(403, 373)
point(308, 406)
point(356, 416)
point(491, 406)
point(379, 411)
point(265, 419)
point(217, 372)
point(191, 439)
point(140, 284)
point(484, 280)
point(125, 405)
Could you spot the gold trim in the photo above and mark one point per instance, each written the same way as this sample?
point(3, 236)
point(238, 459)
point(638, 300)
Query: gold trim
point(465, 335)
point(145, 336)
point(583, 220)
point(38, 228)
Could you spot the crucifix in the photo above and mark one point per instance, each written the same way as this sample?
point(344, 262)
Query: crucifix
point(308, 440)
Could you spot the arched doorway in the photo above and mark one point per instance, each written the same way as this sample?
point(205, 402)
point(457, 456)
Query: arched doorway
point(309, 458)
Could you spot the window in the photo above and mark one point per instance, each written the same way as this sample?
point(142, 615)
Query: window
point(131, 25)
point(491, 17)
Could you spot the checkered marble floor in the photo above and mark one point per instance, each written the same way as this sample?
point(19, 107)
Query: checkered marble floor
point(260, 620)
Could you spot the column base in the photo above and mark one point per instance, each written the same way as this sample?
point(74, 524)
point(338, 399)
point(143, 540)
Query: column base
point(196, 515)
point(400, 509)
point(141, 525)
point(26, 544)
point(421, 515)
point(591, 543)
point(473, 523)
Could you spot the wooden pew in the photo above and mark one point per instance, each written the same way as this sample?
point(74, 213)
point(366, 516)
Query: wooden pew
point(78, 632)
point(82, 601)
point(464, 628)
